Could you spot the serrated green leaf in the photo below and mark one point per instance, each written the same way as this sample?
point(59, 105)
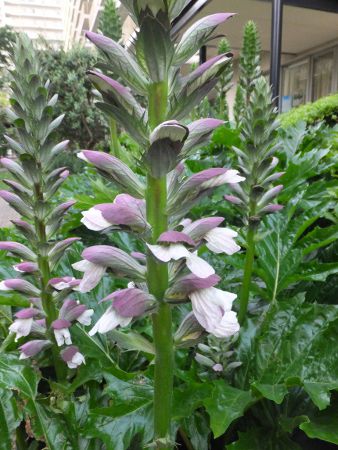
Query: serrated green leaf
point(130, 417)
point(263, 440)
point(324, 426)
point(291, 345)
point(10, 418)
point(15, 375)
point(226, 404)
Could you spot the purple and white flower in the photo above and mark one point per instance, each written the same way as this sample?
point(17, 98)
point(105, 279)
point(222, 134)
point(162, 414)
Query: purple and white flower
point(125, 304)
point(72, 310)
point(172, 246)
point(26, 267)
point(64, 283)
point(32, 348)
point(99, 258)
point(61, 332)
point(73, 357)
point(17, 284)
point(212, 308)
point(23, 323)
point(126, 211)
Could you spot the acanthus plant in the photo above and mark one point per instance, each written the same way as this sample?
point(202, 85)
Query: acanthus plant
point(170, 271)
point(46, 320)
point(254, 197)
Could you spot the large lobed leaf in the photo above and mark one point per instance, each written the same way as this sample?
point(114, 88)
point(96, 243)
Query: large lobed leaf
point(293, 345)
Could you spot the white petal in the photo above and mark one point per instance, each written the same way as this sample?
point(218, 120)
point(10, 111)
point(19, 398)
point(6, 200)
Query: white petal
point(198, 266)
point(86, 317)
point(161, 252)
point(21, 327)
point(3, 286)
point(76, 361)
point(230, 176)
point(108, 321)
point(62, 337)
point(91, 277)
point(220, 240)
point(81, 155)
point(211, 307)
point(94, 220)
point(178, 251)
point(82, 265)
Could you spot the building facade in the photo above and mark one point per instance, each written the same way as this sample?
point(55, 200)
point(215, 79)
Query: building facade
point(80, 15)
point(36, 18)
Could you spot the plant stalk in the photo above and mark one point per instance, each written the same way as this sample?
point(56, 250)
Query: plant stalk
point(157, 277)
point(45, 276)
point(249, 259)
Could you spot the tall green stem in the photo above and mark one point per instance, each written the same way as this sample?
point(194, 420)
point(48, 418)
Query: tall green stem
point(157, 278)
point(45, 276)
point(249, 259)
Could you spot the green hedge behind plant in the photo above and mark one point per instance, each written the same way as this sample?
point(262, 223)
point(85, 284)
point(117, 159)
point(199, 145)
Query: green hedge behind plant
point(326, 108)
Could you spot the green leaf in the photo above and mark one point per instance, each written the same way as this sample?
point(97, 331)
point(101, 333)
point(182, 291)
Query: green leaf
point(96, 348)
point(130, 417)
point(226, 404)
point(290, 345)
point(131, 340)
point(264, 439)
point(10, 418)
point(323, 427)
point(46, 426)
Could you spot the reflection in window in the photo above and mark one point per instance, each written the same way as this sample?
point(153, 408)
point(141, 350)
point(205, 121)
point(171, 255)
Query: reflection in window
point(295, 85)
point(322, 75)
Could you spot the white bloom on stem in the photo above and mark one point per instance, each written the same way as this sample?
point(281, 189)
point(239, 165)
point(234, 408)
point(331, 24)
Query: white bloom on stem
point(221, 240)
point(73, 357)
point(93, 273)
point(212, 308)
point(61, 332)
point(86, 317)
point(108, 321)
point(93, 219)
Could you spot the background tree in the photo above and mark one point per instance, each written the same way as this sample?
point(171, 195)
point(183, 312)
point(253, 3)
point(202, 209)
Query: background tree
point(85, 125)
point(110, 22)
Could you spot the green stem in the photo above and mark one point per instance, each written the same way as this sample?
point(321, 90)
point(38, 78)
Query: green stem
point(249, 259)
point(157, 278)
point(45, 275)
point(114, 140)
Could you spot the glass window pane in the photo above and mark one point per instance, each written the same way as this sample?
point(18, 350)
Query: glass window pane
point(295, 85)
point(322, 75)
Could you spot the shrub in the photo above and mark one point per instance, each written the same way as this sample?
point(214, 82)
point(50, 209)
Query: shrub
point(324, 109)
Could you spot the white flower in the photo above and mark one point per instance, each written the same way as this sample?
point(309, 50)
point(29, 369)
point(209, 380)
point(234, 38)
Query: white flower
point(21, 327)
point(86, 317)
point(93, 219)
point(212, 308)
point(195, 264)
point(62, 336)
point(230, 176)
point(93, 273)
point(221, 240)
point(76, 361)
point(108, 321)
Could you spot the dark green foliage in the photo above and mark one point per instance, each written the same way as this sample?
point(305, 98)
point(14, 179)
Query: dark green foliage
point(325, 109)
point(110, 22)
point(249, 69)
point(7, 38)
point(85, 126)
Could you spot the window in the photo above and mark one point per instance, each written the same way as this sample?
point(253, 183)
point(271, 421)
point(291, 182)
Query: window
point(295, 85)
point(309, 79)
point(322, 75)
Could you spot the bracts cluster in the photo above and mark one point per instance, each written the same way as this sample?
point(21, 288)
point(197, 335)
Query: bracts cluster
point(50, 313)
